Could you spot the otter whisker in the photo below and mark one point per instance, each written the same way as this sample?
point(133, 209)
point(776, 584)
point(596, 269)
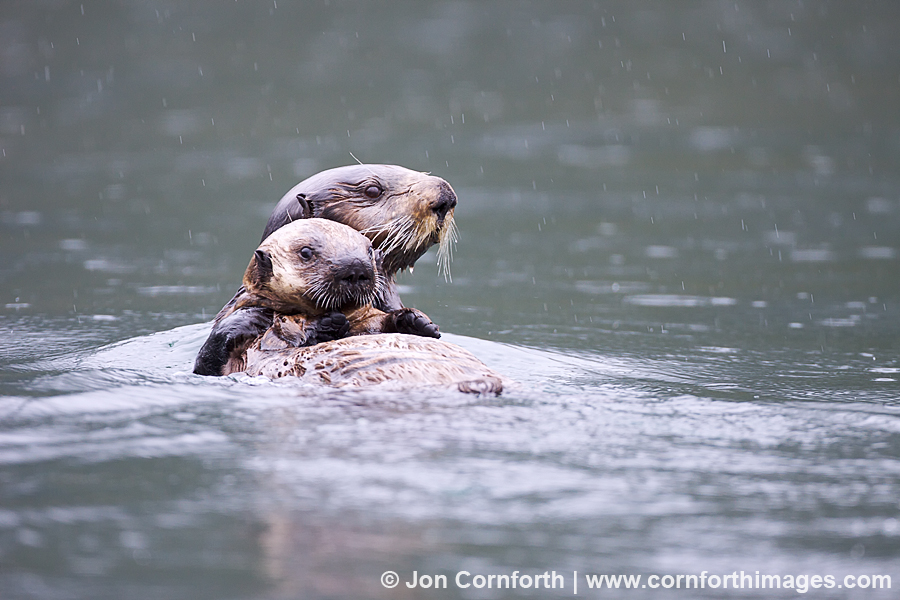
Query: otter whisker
point(379, 284)
point(448, 238)
point(399, 234)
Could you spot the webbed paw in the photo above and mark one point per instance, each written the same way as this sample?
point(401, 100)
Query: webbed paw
point(243, 325)
point(415, 322)
point(231, 333)
point(333, 326)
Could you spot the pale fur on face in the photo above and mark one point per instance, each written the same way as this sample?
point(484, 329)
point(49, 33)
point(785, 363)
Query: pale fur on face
point(400, 220)
point(283, 279)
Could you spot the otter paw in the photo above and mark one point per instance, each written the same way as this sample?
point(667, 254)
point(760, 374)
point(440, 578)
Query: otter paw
point(415, 322)
point(242, 326)
point(485, 386)
point(227, 335)
point(333, 326)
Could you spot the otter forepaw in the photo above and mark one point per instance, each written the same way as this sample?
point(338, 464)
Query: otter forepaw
point(415, 322)
point(229, 335)
point(244, 325)
point(333, 326)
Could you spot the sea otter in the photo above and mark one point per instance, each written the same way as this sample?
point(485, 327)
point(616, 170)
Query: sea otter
point(403, 213)
point(316, 275)
point(313, 270)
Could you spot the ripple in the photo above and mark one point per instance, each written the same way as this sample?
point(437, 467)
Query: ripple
point(812, 255)
point(675, 300)
point(878, 253)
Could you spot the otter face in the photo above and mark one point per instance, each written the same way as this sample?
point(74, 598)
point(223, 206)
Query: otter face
point(314, 265)
point(403, 212)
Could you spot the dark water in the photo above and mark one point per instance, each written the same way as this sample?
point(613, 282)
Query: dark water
point(680, 232)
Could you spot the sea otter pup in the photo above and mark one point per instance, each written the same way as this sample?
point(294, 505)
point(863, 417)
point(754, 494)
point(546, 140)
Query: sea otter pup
point(403, 213)
point(316, 276)
point(314, 270)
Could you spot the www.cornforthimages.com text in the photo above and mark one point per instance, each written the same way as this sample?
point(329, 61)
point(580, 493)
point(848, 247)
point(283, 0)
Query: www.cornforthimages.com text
point(552, 580)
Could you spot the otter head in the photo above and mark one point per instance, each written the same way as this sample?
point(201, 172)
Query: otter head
point(403, 212)
point(312, 266)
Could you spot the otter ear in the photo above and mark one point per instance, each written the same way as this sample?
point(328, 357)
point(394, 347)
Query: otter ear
point(306, 210)
point(262, 270)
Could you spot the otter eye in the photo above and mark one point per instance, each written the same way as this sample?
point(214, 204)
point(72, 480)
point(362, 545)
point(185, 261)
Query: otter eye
point(373, 191)
point(306, 253)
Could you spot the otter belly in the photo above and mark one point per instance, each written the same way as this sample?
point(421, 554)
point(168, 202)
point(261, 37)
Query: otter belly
point(360, 361)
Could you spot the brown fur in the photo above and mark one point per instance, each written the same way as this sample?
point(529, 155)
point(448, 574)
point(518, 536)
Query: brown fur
point(388, 358)
point(278, 277)
point(401, 222)
point(288, 283)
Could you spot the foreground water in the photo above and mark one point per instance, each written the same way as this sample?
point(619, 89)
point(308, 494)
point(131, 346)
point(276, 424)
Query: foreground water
point(680, 233)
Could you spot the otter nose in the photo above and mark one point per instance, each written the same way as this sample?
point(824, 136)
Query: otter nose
point(445, 202)
point(354, 273)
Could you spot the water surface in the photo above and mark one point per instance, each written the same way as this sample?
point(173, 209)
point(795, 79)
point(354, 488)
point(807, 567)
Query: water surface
point(680, 229)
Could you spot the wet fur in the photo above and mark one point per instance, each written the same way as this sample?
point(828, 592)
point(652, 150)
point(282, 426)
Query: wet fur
point(397, 360)
point(412, 212)
point(285, 276)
